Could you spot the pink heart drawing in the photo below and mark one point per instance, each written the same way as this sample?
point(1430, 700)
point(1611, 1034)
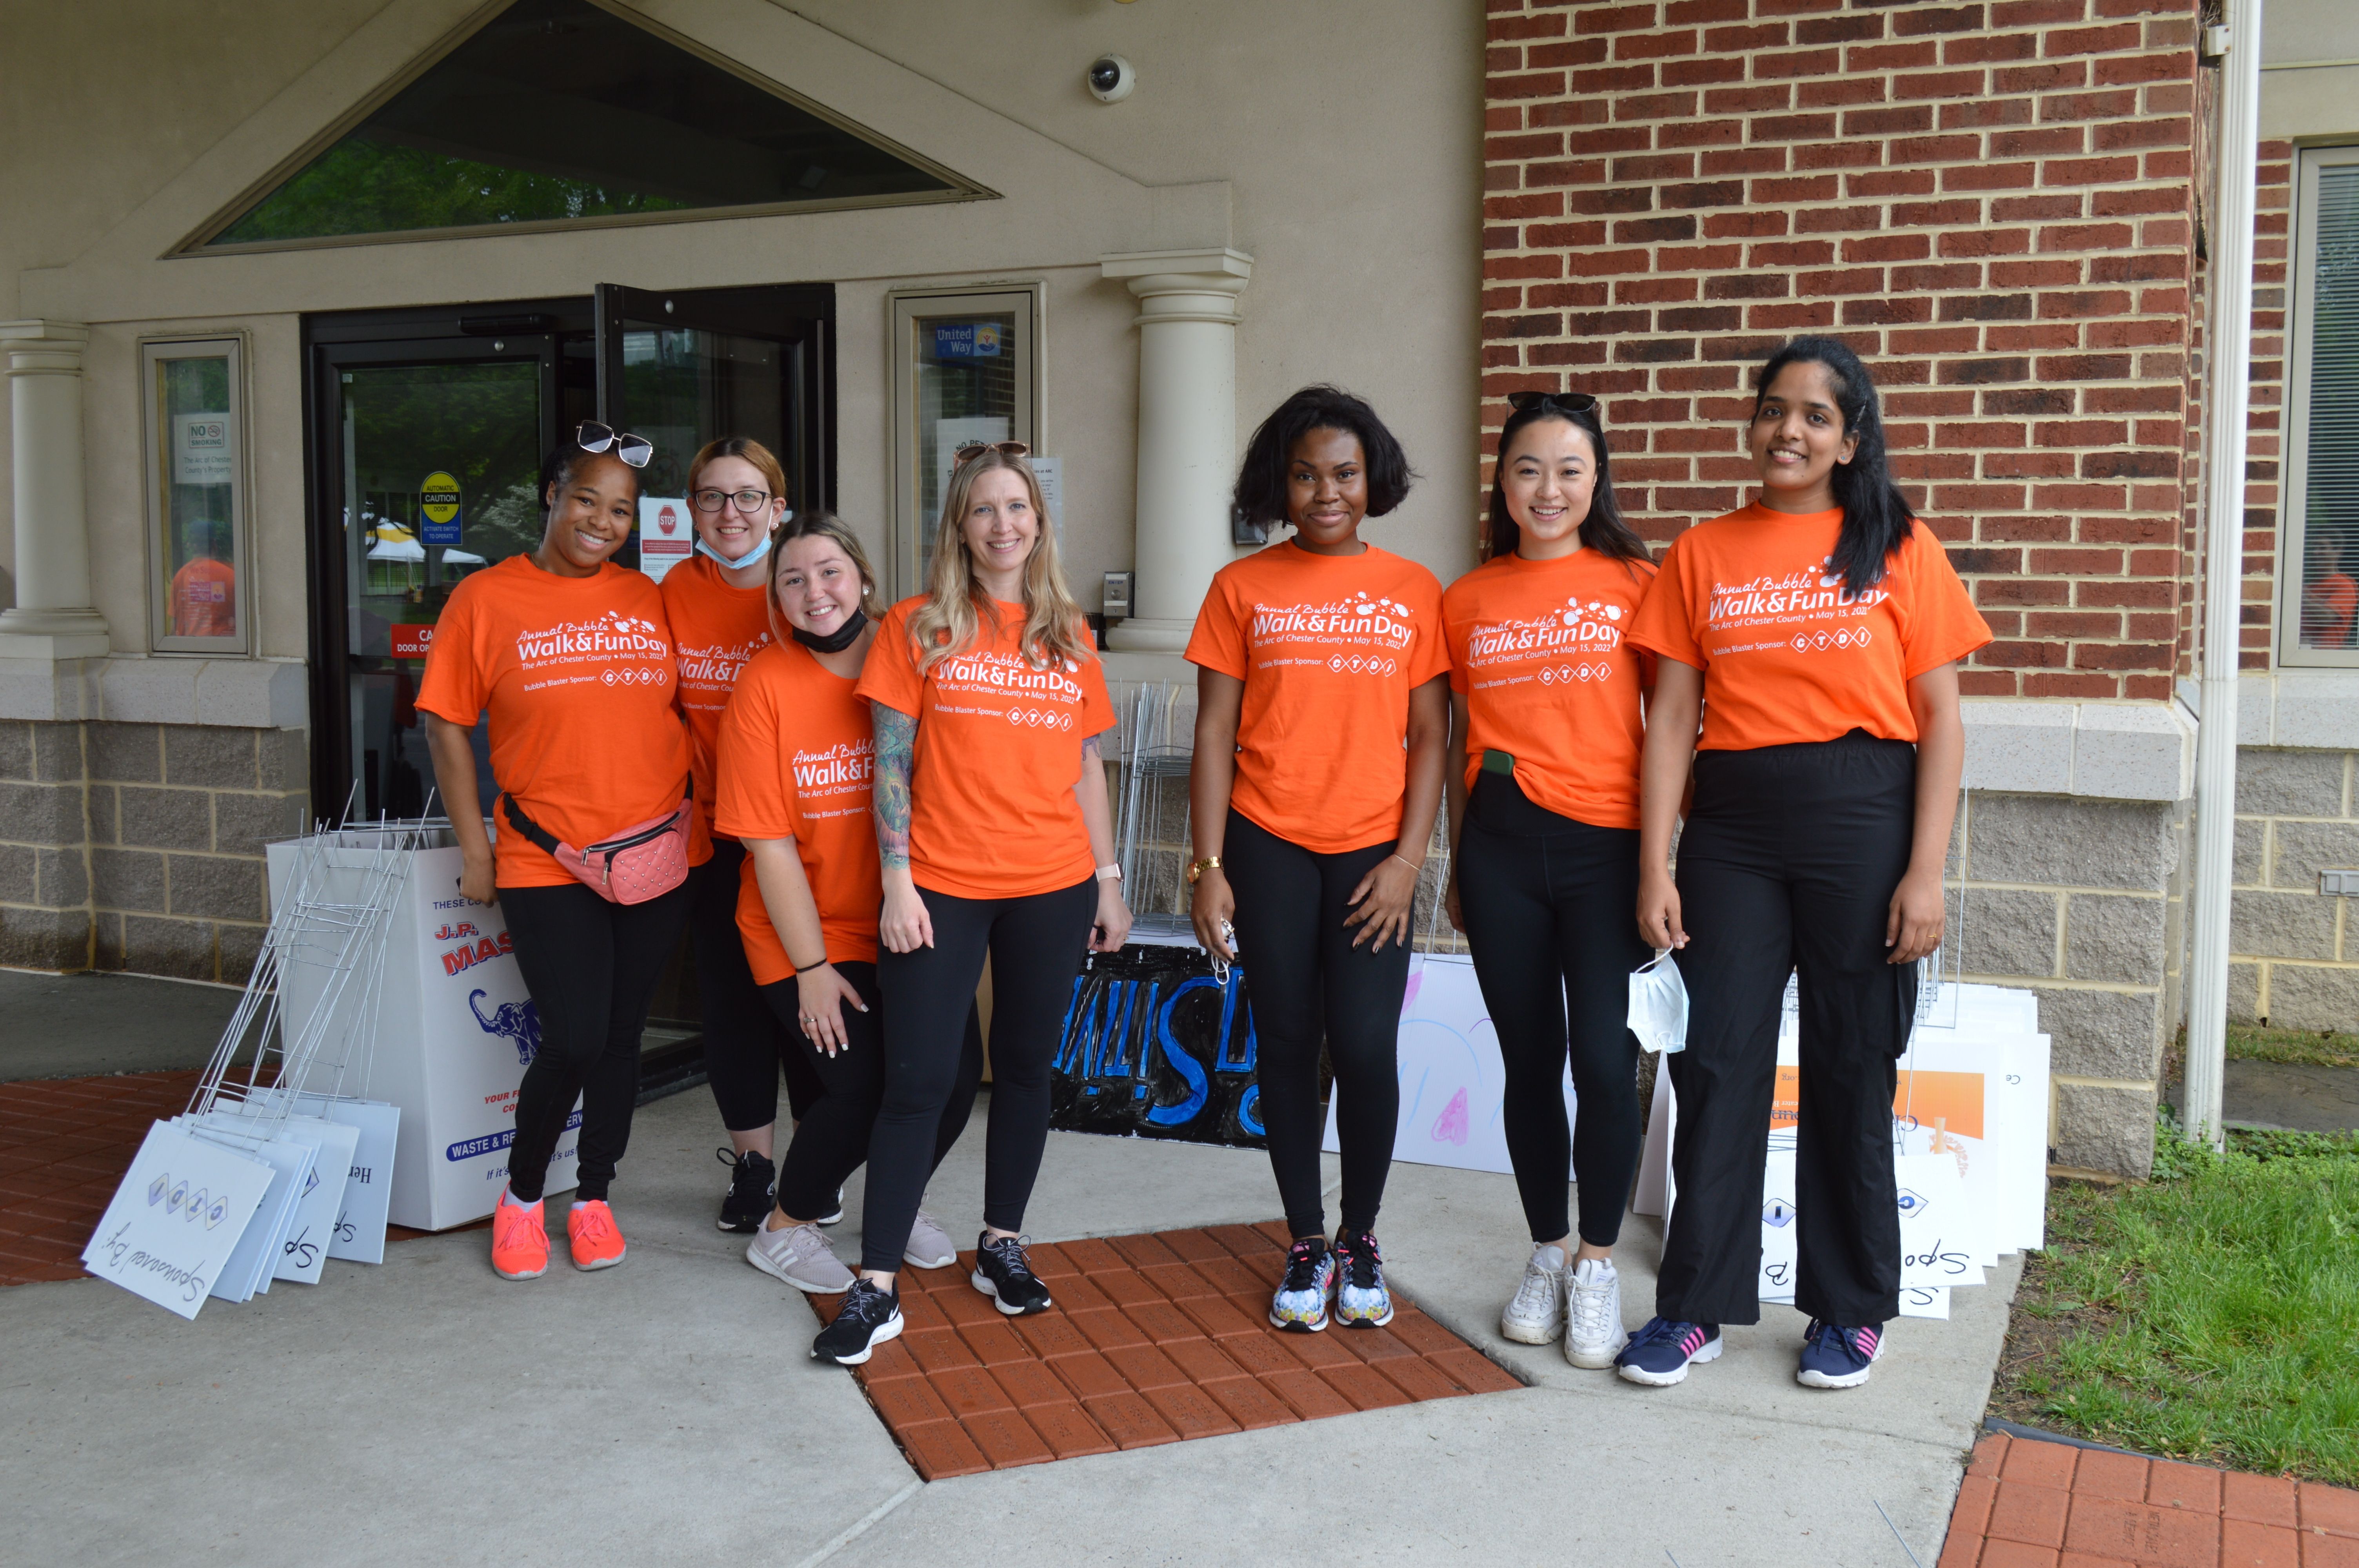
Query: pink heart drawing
point(1449, 1127)
point(1409, 996)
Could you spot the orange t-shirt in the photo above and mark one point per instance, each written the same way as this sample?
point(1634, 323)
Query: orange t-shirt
point(715, 629)
point(798, 759)
point(578, 674)
point(2330, 611)
point(1330, 648)
point(991, 809)
point(1536, 649)
point(204, 599)
point(1788, 655)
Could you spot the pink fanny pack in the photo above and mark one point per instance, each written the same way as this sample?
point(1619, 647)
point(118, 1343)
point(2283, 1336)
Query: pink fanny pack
point(643, 862)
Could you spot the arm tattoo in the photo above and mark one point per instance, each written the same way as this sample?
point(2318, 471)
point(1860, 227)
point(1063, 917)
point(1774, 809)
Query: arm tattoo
point(1089, 747)
point(897, 736)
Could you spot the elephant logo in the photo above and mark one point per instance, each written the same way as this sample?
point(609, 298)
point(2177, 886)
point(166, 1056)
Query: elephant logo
point(517, 1023)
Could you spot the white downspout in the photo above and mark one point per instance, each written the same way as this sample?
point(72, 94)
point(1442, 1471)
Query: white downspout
point(2228, 377)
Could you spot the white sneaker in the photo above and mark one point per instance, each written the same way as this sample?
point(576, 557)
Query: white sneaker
point(930, 1245)
point(801, 1256)
point(1593, 1335)
point(1537, 1314)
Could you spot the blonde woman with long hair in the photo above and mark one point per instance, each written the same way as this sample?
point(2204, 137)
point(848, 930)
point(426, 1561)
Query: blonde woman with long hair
point(995, 836)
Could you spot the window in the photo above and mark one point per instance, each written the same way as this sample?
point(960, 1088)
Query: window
point(2319, 623)
point(196, 495)
point(560, 110)
point(963, 369)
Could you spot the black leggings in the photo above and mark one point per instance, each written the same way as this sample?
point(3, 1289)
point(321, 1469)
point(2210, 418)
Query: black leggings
point(1548, 906)
point(1306, 978)
point(1789, 858)
point(832, 1134)
point(744, 1047)
point(591, 968)
point(1035, 946)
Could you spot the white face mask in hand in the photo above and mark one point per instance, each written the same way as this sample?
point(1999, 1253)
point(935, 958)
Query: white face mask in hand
point(1658, 1004)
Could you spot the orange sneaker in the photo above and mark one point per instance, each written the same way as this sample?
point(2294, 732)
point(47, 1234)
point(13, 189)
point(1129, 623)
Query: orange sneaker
point(597, 1243)
point(519, 1241)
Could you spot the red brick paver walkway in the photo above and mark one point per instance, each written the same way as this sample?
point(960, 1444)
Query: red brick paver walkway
point(1153, 1338)
point(64, 1145)
point(2027, 1504)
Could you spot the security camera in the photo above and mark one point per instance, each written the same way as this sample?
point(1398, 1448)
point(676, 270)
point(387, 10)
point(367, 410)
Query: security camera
point(1111, 78)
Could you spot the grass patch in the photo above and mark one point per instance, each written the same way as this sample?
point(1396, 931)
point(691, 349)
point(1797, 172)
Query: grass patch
point(2307, 1047)
point(2210, 1315)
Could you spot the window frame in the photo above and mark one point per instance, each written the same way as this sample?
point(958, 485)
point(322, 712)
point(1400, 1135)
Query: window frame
point(1027, 302)
point(2293, 490)
point(155, 454)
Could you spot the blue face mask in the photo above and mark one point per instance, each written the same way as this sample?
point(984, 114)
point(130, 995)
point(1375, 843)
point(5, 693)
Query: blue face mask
point(752, 558)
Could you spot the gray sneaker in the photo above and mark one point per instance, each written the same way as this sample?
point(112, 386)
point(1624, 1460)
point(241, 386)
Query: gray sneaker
point(1537, 1314)
point(1593, 1335)
point(930, 1245)
point(801, 1256)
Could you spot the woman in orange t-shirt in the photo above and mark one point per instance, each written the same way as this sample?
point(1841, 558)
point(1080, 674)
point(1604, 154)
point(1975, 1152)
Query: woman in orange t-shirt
point(1545, 719)
point(797, 753)
point(1322, 710)
point(570, 655)
point(997, 841)
point(718, 606)
point(1816, 635)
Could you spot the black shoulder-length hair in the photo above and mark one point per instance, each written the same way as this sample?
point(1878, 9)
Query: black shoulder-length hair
point(1602, 530)
point(1261, 479)
point(1876, 515)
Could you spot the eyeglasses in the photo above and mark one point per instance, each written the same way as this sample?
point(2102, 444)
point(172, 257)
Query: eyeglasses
point(975, 449)
point(1553, 402)
point(745, 501)
point(592, 436)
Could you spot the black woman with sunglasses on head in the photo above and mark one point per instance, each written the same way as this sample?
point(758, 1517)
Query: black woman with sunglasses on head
point(570, 657)
point(1547, 713)
point(997, 842)
point(718, 609)
point(1322, 712)
point(1816, 635)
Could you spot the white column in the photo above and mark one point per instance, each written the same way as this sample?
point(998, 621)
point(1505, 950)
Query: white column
point(1187, 434)
point(53, 618)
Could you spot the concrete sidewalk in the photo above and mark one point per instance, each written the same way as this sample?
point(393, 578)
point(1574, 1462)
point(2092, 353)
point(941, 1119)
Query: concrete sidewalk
point(666, 1411)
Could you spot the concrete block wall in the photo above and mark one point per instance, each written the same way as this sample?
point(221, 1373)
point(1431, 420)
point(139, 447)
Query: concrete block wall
point(139, 846)
point(2294, 952)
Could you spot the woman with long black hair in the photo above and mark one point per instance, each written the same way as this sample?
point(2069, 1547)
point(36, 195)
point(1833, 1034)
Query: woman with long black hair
point(1322, 713)
point(1547, 709)
point(1815, 636)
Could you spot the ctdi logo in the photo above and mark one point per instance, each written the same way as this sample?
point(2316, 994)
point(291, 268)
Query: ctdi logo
point(1820, 642)
point(175, 1198)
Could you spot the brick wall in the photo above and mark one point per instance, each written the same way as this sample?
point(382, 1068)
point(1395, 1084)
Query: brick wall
point(2264, 441)
point(1993, 203)
point(139, 846)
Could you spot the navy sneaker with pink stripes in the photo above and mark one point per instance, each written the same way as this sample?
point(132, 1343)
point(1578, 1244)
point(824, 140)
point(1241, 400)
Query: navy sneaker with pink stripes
point(1838, 1357)
point(1660, 1354)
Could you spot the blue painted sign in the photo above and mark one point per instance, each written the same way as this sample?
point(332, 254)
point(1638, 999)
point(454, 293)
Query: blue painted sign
point(966, 340)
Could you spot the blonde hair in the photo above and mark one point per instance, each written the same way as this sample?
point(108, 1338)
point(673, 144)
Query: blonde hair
point(744, 446)
point(955, 604)
point(815, 525)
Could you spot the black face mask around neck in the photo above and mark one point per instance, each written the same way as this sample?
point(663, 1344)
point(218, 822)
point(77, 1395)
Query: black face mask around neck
point(836, 641)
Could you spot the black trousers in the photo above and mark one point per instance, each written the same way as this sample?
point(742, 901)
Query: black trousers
point(744, 1049)
point(1309, 983)
point(1035, 946)
point(1788, 859)
point(1547, 901)
point(832, 1136)
point(591, 968)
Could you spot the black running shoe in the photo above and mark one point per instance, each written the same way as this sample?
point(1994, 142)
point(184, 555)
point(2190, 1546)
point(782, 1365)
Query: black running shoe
point(834, 1215)
point(869, 1316)
point(1003, 1273)
point(752, 1188)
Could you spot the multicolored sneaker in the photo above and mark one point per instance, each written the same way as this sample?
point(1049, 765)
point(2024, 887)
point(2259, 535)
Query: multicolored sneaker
point(520, 1241)
point(1300, 1302)
point(1838, 1357)
point(597, 1240)
point(1361, 1299)
point(1660, 1354)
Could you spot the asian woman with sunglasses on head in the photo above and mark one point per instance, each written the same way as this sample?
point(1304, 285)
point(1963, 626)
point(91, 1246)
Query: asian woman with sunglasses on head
point(1547, 715)
point(997, 841)
point(570, 657)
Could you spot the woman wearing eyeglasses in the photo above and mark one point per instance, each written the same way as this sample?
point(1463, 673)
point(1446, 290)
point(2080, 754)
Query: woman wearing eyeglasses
point(1322, 715)
point(1546, 722)
point(996, 836)
point(571, 658)
point(720, 620)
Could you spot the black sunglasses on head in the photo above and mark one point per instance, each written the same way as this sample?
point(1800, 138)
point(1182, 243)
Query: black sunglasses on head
point(1552, 402)
point(592, 436)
